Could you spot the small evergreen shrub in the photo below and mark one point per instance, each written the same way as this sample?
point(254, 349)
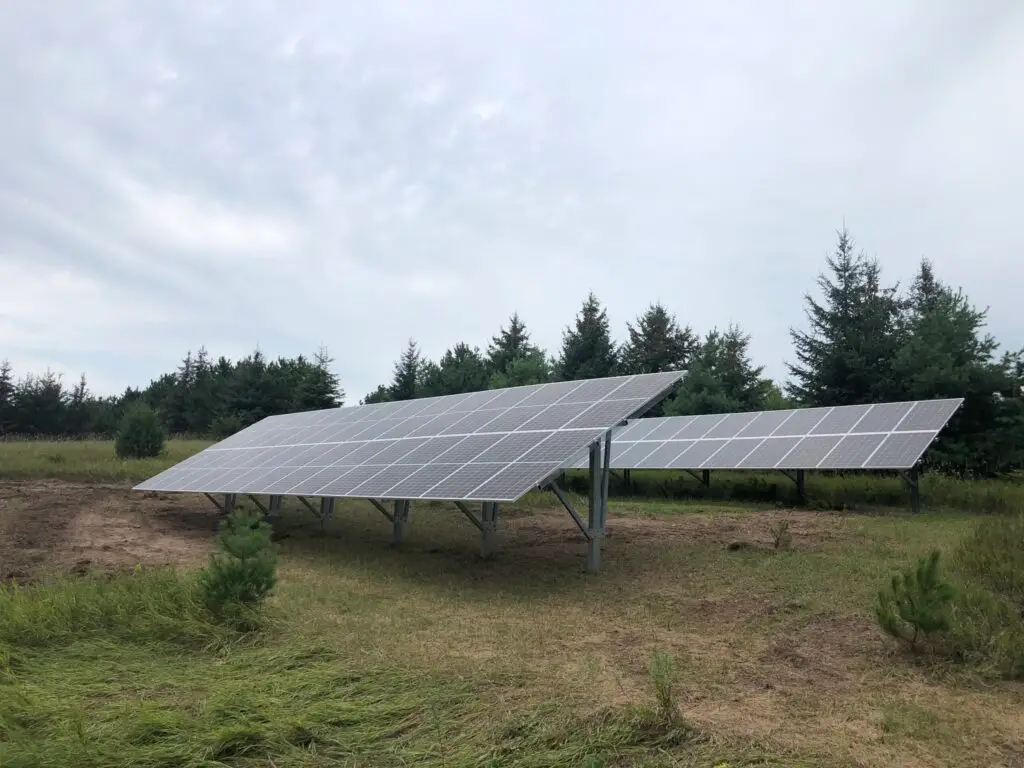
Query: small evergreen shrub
point(917, 602)
point(140, 435)
point(243, 572)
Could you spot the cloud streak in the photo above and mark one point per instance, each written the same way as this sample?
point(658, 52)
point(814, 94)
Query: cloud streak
point(230, 174)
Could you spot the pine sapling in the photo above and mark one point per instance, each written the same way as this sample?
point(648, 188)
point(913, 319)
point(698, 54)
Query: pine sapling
point(917, 602)
point(243, 571)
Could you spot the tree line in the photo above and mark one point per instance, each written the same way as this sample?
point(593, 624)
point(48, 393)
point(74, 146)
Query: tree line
point(864, 341)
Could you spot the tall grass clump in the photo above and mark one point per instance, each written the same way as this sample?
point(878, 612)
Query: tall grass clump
point(243, 572)
point(140, 435)
point(145, 605)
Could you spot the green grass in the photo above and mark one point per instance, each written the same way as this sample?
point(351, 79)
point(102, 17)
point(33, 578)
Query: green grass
point(424, 655)
point(86, 460)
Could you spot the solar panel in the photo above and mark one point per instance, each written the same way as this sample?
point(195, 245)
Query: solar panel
point(493, 445)
point(877, 436)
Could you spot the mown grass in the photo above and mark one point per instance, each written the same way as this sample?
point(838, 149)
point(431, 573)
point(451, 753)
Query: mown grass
point(424, 655)
point(94, 460)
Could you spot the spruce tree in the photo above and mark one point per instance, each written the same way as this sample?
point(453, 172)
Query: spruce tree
point(946, 354)
point(7, 392)
point(461, 369)
point(722, 378)
point(406, 378)
point(510, 344)
point(588, 351)
point(656, 343)
point(318, 385)
point(846, 355)
point(532, 368)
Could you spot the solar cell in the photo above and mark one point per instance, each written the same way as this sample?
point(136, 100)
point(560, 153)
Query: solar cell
point(869, 436)
point(490, 446)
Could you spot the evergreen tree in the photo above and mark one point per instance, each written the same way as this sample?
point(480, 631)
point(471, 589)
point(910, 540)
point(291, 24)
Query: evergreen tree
point(722, 378)
point(78, 409)
point(405, 382)
point(946, 354)
point(40, 405)
point(8, 389)
point(846, 356)
point(588, 351)
point(318, 386)
point(532, 368)
point(461, 369)
point(656, 343)
point(509, 345)
point(380, 395)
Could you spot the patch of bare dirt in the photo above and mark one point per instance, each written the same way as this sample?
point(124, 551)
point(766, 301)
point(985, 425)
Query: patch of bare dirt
point(60, 526)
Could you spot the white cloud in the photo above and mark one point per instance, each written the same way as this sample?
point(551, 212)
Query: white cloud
point(353, 175)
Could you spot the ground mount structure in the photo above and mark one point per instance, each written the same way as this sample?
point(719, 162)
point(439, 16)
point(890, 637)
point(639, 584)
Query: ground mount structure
point(485, 447)
point(880, 436)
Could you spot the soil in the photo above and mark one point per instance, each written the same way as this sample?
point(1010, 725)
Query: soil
point(51, 525)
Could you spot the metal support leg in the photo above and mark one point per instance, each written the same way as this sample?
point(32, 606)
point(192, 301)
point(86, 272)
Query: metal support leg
point(400, 520)
point(275, 506)
point(800, 486)
point(912, 480)
point(488, 515)
point(705, 477)
point(595, 527)
point(326, 510)
point(229, 503)
point(627, 480)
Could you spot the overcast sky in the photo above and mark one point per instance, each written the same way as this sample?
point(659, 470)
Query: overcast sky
point(178, 174)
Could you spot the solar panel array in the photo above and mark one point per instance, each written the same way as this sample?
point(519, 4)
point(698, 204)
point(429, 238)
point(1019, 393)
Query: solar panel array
point(879, 436)
point(493, 445)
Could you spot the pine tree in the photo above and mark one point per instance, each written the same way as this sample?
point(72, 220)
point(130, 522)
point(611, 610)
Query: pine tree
point(722, 378)
point(588, 351)
point(532, 368)
point(40, 405)
point(846, 356)
point(8, 389)
point(916, 603)
point(406, 378)
point(657, 343)
point(509, 345)
point(461, 369)
point(78, 409)
point(946, 354)
point(318, 386)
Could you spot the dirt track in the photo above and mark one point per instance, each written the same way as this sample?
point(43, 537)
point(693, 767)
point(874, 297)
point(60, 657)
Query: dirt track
point(55, 525)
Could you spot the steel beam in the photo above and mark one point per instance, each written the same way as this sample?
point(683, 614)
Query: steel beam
point(469, 515)
point(595, 527)
point(569, 508)
point(217, 504)
point(258, 504)
point(383, 510)
point(400, 520)
point(488, 525)
point(912, 479)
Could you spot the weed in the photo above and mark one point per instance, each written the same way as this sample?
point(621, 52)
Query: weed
point(781, 537)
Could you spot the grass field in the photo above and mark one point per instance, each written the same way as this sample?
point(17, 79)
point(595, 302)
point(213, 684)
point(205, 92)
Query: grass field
point(426, 655)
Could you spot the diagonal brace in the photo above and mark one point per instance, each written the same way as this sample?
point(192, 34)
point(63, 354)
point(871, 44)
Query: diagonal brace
point(254, 500)
point(382, 509)
point(472, 518)
point(310, 507)
point(569, 508)
point(215, 503)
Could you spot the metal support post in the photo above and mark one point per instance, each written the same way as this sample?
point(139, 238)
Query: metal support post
point(912, 480)
point(229, 503)
point(627, 480)
point(275, 506)
point(488, 522)
point(595, 528)
point(400, 520)
point(326, 510)
point(800, 486)
point(705, 477)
